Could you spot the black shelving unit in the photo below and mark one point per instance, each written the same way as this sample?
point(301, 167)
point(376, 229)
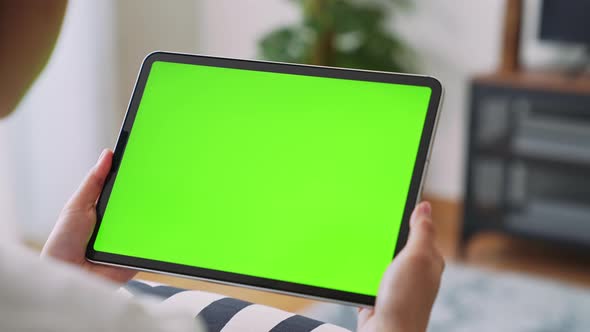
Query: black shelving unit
point(528, 158)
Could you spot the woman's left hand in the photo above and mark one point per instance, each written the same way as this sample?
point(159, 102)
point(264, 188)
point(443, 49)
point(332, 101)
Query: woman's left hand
point(69, 238)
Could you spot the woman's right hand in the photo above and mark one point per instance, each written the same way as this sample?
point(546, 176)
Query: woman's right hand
point(410, 284)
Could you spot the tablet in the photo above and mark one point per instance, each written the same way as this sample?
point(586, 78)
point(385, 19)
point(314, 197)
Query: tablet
point(291, 178)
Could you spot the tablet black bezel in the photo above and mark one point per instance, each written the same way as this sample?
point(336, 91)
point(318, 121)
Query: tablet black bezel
point(234, 278)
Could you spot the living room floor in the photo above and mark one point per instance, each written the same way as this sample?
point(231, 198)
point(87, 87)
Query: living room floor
point(487, 251)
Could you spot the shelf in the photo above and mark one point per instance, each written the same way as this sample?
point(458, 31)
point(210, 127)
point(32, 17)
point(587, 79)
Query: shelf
point(537, 159)
point(563, 141)
point(551, 151)
point(540, 81)
point(550, 138)
point(552, 219)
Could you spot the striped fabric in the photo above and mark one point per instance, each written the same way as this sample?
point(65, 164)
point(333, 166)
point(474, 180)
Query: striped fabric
point(221, 313)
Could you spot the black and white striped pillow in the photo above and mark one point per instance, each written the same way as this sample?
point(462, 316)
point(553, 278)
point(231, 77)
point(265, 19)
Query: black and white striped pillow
point(221, 313)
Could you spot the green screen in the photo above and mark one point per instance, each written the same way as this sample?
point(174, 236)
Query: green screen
point(296, 178)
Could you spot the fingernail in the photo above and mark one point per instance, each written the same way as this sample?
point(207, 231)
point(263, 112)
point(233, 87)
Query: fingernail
point(425, 208)
point(102, 154)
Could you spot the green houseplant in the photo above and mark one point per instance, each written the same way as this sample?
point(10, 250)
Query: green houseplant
point(341, 33)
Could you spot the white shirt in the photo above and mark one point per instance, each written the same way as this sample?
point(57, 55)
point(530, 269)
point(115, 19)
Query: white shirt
point(46, 295)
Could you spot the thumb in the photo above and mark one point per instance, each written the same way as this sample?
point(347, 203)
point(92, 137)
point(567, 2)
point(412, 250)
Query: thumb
point(422, 232)
point(410, 283)
point(421, 244)
point(89, 190)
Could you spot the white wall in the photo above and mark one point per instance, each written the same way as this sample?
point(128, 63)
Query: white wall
point(455, 40)
point(232, 28)
point(8, 211)
point(144, 26)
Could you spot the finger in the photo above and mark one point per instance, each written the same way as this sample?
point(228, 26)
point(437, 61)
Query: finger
point(422, 233)
point(364, 315)
point(421, 242)
point(89, 190)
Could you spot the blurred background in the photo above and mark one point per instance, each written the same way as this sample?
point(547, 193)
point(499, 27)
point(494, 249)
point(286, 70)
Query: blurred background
point(509, 176)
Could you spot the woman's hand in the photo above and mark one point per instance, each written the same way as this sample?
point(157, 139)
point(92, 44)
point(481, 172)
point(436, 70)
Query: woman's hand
point(410, 284)
point(69, 238)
